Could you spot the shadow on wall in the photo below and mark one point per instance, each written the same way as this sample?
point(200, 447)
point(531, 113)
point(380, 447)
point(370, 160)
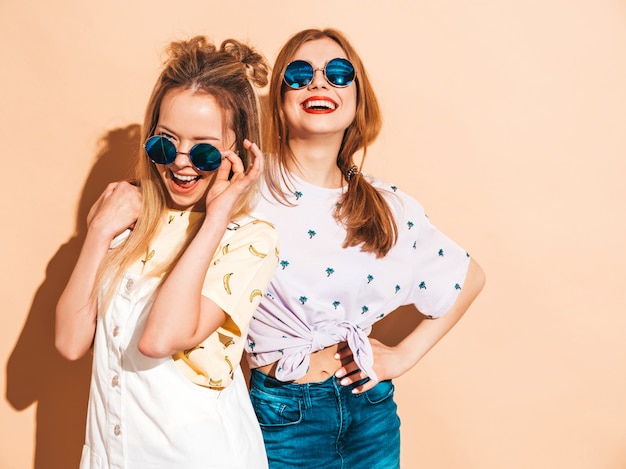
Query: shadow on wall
point(35, 372)
point(398, 324)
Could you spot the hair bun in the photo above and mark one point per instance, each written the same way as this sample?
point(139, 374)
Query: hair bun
point(257, 68)
point(192, 49)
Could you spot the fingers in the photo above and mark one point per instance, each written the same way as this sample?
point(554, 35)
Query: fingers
point(223, 172)
point(357, 377)
point(116, 209)
point(364, 387)
point(345, 370)
point(343, 353)
point(259, 159)
point(352, 377)
point(350, 373)
point(232, 162)
point(108, 192)
point(232, 179)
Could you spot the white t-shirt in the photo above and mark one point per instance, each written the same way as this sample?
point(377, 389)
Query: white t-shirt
point(323, 293)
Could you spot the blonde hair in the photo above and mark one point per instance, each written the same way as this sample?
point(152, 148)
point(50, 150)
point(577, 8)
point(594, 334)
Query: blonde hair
point(362, 209)
point(228, 75)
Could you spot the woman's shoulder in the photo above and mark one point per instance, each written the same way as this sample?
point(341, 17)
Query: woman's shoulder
point(250, 229)
point(398, 199)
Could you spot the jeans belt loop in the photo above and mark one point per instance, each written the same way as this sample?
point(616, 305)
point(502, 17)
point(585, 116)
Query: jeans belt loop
point(306, 396)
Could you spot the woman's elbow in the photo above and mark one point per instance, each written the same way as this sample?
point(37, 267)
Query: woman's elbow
point(479, 276)
point(70, 351)
point(153, 347)
point(475, 279)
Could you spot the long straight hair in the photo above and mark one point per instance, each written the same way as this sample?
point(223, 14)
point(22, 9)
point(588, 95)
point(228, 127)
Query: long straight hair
point(228, 75)
point(362, 209)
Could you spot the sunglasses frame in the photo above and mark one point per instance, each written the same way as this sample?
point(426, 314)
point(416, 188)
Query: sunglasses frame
point(322, 69)
point(156, 139)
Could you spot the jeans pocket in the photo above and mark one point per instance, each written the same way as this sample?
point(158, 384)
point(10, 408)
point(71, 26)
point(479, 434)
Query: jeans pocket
point(379, 393)
point(275, 411)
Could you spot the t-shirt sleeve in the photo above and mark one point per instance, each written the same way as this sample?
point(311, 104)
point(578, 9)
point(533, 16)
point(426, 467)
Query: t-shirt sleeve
point(439, 265)
point(240, 273)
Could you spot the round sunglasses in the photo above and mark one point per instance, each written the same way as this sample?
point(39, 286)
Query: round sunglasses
point(338, 72)
point(203, 156)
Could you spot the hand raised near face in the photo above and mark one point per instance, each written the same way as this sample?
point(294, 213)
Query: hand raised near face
point(116, 209)
point(224, 193)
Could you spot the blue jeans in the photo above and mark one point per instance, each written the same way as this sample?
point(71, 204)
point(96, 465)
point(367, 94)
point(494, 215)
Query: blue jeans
point(324, 425)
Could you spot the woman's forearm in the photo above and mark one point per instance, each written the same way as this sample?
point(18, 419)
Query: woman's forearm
point(180, 317)
point(76, 310)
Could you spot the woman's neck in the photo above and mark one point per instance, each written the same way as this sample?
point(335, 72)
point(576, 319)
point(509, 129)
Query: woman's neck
point(316, 162)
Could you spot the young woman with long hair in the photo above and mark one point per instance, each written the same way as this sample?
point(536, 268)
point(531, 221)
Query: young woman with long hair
point(353, 249)
point(170, 272)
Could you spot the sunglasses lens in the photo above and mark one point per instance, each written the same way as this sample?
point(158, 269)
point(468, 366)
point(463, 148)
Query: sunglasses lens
point(339, 72)
point(205, 157)
point(298, 74)
point(160, 150)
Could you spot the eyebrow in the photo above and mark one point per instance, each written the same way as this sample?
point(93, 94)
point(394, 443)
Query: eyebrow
point(167, 129)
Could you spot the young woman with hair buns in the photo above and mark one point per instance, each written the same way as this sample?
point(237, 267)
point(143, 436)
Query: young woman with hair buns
point(170, 272)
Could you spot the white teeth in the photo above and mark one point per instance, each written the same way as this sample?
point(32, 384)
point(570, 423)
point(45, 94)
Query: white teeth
point(320, 104)
point(184, 178)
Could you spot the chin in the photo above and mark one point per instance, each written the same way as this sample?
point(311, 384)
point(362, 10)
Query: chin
point(186, 206)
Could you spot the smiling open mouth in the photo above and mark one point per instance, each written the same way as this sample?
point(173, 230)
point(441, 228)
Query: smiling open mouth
point(183, 181)
point(319, 105)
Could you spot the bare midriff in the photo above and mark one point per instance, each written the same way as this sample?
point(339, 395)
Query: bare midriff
point(322, 365)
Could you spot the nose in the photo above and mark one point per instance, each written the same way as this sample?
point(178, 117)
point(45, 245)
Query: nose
point(319, 80)
point(182, 159)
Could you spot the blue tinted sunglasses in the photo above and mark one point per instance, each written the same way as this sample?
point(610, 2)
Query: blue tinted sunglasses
point(338, 72)
point(203, 156)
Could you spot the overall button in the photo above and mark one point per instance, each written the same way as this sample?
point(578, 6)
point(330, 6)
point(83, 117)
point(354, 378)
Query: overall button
point(129, 284)
point(115, 381)
point(116, 331)
point(117, 430)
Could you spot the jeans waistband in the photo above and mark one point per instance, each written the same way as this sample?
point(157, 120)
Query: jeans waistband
point(304, 391)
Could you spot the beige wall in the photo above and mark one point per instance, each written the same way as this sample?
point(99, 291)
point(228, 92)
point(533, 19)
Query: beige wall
point(506, 119)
